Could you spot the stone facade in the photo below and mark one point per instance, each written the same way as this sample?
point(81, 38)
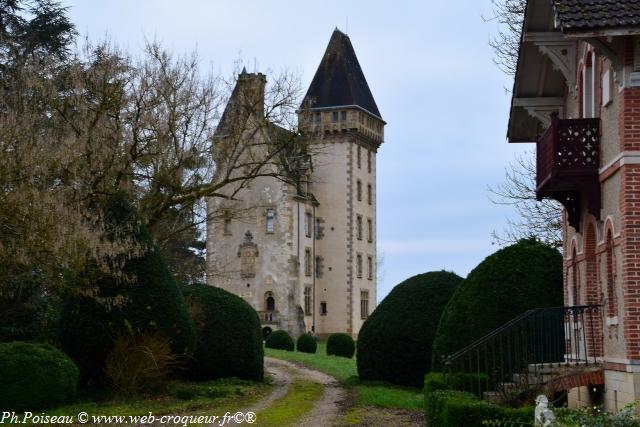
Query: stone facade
point(305, 256)
point(593, 74)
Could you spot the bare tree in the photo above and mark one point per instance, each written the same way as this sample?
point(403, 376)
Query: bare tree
point(74, 132)
point(537, 218)
point(509, 14)
point(541, 219)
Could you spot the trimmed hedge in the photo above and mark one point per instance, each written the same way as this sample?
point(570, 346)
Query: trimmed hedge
point(394, 343)
point(306, 343)
point(446, 408)
point(228, 324)
point(515, 279)
point(35, 377)
point(460, 381)
point(280, 340)
point(341, 344)
point(151, 304)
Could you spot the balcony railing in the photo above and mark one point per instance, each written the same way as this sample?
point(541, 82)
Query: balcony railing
point(269, 317)
point(567, 162)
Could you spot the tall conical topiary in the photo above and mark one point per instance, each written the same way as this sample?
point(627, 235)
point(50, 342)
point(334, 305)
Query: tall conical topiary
point(147, 301)
point(394, 344)
point(229, 340)
point(517, 278)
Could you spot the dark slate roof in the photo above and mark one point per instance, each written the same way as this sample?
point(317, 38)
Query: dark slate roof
point(590, 15)
point(339, 79)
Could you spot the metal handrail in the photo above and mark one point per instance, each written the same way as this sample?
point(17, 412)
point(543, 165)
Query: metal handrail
point(535, 338)
point(527, 314)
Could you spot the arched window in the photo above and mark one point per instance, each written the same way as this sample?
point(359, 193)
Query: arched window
point(575, 289)
point(612, 302)
point(269, 302)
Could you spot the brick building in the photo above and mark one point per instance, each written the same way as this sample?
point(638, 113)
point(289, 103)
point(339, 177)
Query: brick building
point(304, 255)
point(577, 95)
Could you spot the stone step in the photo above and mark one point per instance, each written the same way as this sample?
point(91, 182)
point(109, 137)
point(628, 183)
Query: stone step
point(491, 396)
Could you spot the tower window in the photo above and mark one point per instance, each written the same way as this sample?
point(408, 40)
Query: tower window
point(364, 304)
point(307, 301)
point(369, 194)
point(369, 230)
point(370, 267)
point(343, 116)
point(270, 220)
point(318, 118)
point(334, 117)
point(358, 157)
point(227, 226)
point(359, 266)
point(369, 161)
point(318, 266)
point(359, 227)
point(307, 262)
point(308, 224)
point(359, 190)
point(323, 308)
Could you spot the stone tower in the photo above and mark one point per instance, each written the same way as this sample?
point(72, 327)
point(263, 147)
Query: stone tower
point(304, 256)
point(339, 109)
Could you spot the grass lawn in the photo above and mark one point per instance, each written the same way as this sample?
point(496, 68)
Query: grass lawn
point(367, 393)
point(178, 397)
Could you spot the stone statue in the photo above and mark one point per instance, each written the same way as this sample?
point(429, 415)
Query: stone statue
point(544, 416)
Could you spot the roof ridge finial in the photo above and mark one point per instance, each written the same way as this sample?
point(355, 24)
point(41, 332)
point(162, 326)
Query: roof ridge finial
point(244, 70)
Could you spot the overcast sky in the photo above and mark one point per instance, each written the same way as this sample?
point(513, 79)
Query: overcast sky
point(430, 69)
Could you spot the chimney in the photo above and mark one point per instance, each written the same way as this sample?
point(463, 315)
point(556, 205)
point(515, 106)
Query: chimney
point(251, 92)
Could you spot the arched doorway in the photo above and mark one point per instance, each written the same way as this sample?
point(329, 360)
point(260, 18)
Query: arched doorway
point(266, 331)
point(269, 306)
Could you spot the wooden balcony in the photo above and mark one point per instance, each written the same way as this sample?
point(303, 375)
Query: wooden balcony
point(567, 162)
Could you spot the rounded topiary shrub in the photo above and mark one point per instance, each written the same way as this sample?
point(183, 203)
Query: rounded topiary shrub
point(341, 344)
point(148, 301)
point(279, 340)
point(306, 343)
point(394, 343)
point(517, 278)
point(35, 377)
point(229, 341)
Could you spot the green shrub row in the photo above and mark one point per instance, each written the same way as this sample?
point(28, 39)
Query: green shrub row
point(449, 408)
point(475, 383)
